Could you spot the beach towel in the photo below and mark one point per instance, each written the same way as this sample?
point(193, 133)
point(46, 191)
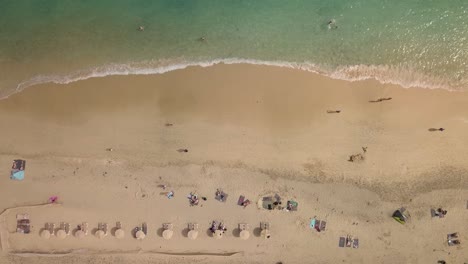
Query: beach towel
point(312, 223)
point(18, 175)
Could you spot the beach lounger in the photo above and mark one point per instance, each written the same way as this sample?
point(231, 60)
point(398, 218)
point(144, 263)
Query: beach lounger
point(349, 241)
point(453, 242)
point(317, 225)
point(193, 226)
point(355, 243)
point(452, 236)
point(51, 228)
point(17, 170)
point(83, 227)
point(323, 225)
point(342, 242)
point(244, 226)
point(65, 227)
point(221, 195)
point(118, 225)
point(168, 226)
point(265, 225)
point(23, 224)
point(144, 228)
point(241, 200)
point(433, 213)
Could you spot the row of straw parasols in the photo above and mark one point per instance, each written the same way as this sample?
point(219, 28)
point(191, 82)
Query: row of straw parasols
point(120, 233)
point(140, 235)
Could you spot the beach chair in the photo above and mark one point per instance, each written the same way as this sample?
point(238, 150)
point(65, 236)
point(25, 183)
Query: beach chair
point(244, 226)
point(118, 225)
point(265, 225)
point(323, 225)
point(192, 226)
point(355, 243)
point(342, 242)
point(349, 240)
point(168, 226)
point(241, 200)
point(453, 242)
point(452, 236)
point(221, 195)
point(65, 227)
point(83, 227)
point(23, 224)
point(144, 228)
point(103, 227)
point(51, 228)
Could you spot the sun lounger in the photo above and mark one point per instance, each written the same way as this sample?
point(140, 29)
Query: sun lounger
point(168, 226)
point(323, 225)
point(193, 226)
point(83, 227)
point(23, 224)
point(221, 196)
point(65, 227)
point(244, 226)
point(241, 200)
point(342, 242)
point(17, 170)
point(264, 225)
point(355, 243)
point(452, 236)
point(51, 228)
point(349, 241)
point(144, 228)
point(118, 225)
point(453, 242)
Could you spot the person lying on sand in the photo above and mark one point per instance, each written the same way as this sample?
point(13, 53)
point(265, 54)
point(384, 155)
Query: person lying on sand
point(333, 111)
point(436, 129)
point(182, 150)
point(381, 100)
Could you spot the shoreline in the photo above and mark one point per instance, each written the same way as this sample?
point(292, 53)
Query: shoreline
point(253, 131)
point(351, 73)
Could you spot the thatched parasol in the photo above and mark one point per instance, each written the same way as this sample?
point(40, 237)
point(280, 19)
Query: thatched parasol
point(244, 234)
point(192, 234)
point(119, 233)
point(45, 234)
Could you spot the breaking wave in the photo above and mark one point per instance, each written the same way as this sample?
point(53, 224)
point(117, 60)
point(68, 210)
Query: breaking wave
point(403, 76)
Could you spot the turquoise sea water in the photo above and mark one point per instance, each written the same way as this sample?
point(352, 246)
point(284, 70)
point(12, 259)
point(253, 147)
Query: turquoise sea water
point(410, 42)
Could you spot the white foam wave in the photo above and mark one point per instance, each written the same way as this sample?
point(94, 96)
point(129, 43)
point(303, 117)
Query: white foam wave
point(404, 77)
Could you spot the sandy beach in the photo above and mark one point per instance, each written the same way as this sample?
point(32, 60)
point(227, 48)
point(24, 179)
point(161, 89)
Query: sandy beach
point(250, 130)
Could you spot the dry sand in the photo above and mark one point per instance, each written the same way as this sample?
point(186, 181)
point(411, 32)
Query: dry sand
point(251, 130)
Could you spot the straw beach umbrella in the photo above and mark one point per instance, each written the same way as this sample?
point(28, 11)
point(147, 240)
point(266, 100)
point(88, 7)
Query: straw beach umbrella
point(61, 234)
point(100, 234)
point(244, 234)
point(192, 234)
point(218, 234)
point(119, 233)
point(45, 234)
point(80, 234)
point(140, 235)
point(167, 234)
